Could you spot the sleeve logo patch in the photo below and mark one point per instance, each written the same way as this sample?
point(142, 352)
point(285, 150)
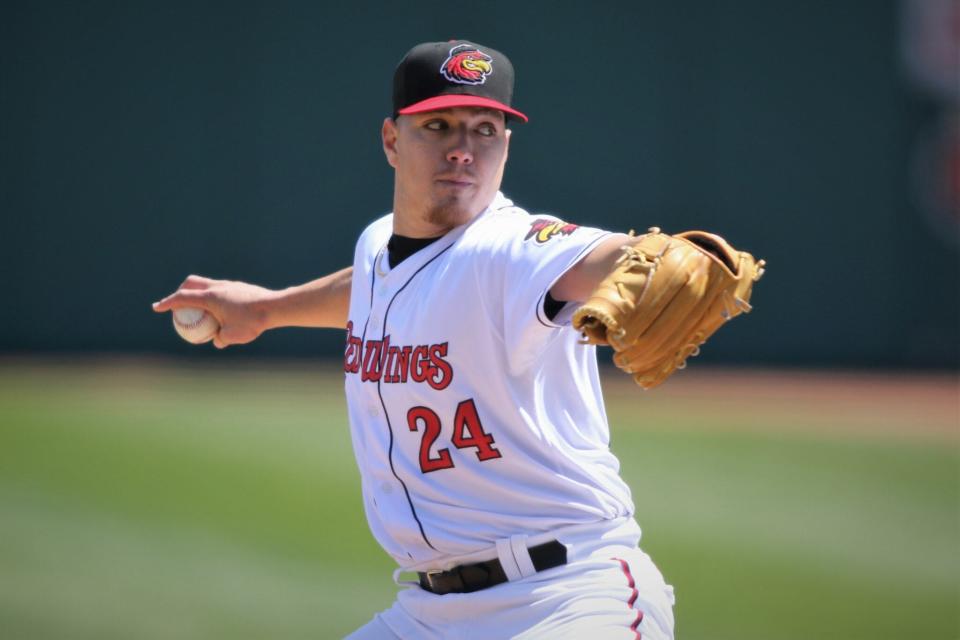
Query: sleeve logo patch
point(543, 230)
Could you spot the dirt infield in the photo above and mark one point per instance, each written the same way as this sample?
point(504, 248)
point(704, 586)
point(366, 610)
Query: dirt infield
point(914, 405)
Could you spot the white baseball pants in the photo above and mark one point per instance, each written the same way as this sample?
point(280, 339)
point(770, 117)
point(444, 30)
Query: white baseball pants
point(609, 589)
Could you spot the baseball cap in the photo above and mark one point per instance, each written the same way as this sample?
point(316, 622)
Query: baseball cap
point(458, 73)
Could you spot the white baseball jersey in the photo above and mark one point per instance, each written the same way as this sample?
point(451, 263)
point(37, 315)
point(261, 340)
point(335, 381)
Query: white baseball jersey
point(473, 416)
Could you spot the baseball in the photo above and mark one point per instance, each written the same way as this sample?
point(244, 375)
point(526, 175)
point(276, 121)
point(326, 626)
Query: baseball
point(195, 325)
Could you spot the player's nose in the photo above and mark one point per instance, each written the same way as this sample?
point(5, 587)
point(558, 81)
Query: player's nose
point(460, 152)
point(460, 155)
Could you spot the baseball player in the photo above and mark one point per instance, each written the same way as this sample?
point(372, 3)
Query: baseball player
point(475, 409)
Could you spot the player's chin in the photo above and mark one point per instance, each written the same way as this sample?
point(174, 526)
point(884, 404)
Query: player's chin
point(450, 212)
point(452, 192)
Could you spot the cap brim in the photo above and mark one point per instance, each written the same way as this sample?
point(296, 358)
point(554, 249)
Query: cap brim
point(451, 100)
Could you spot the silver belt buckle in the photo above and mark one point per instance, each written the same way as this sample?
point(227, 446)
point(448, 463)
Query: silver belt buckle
point(430, 575)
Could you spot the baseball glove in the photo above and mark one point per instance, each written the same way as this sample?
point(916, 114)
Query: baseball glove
point(665, 296)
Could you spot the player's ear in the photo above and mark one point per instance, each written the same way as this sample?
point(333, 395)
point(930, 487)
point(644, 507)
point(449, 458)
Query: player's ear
point(388, 134)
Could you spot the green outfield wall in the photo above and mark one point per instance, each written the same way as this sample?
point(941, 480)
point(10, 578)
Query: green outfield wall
point(144, 141)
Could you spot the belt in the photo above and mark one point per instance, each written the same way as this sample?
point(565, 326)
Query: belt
point(468, 578)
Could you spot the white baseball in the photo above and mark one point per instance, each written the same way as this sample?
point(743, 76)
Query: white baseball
point(195, 325)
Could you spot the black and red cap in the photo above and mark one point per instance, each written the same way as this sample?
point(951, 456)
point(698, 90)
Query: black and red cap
point(443, 75)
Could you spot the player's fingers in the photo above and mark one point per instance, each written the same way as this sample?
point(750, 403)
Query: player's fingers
point(183, 298)
point(231, 334)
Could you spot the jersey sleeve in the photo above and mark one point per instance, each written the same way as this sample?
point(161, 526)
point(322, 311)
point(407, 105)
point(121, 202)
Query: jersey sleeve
point(537, 251)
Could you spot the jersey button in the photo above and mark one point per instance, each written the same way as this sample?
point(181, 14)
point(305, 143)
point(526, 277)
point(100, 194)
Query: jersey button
point(386, 487)
point(373, 411)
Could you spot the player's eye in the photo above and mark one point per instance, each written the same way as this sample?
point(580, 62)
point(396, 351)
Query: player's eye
point(435, 125)
point(487, 129)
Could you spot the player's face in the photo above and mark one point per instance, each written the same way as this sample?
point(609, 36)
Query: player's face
point(449, 165)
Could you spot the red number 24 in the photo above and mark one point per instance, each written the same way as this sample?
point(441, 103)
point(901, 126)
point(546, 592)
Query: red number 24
point(467, 433)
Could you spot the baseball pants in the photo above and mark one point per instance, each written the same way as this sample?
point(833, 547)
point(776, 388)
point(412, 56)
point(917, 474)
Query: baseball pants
point(609, 589)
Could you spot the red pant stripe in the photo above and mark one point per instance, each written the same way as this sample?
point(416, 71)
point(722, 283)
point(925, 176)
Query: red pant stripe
point(633, 595)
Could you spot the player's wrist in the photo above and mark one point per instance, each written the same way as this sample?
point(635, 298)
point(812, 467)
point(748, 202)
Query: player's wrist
point(268, 309)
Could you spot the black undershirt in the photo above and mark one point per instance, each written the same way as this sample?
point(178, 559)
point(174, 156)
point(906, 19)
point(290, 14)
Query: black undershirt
point(399, 248)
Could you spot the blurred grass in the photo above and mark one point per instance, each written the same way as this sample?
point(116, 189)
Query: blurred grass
point(177, 500)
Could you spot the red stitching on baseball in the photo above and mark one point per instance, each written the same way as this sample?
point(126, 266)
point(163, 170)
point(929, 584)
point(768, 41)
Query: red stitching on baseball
point(192, 324)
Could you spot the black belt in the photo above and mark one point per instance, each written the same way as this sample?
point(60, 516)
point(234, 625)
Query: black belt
point(468, 578)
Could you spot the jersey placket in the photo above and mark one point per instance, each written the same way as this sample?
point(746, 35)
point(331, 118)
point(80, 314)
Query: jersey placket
point(382, 298)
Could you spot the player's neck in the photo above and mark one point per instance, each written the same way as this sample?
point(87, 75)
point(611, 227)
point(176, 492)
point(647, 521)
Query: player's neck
point(413, 221)
point(416, 228)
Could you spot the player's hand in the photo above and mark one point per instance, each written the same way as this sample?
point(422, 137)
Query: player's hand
point(239, 307)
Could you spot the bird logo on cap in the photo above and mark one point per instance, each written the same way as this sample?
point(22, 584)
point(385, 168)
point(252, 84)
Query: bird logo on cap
point(466, 65)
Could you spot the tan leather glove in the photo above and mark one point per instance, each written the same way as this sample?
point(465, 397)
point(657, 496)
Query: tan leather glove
point(664, 298)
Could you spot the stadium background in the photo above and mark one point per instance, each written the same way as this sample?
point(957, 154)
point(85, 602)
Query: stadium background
point(807, 462)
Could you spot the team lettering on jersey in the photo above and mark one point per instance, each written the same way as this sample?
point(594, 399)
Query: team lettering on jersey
point(380, 361)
